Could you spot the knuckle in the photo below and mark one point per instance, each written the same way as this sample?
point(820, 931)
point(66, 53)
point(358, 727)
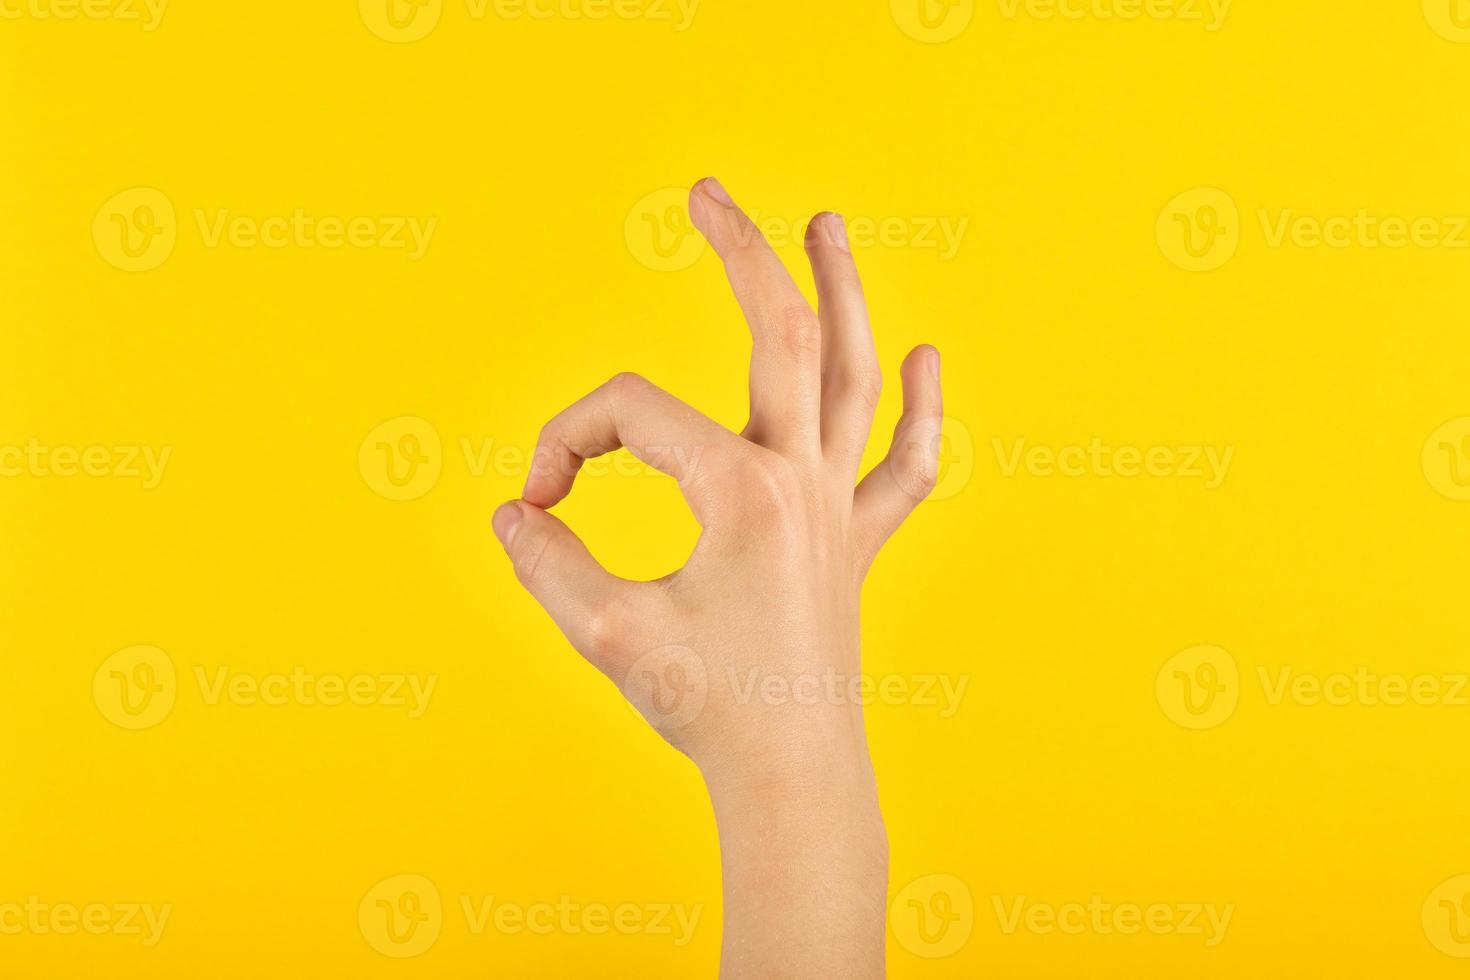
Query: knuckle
point(798, 329)
point(770, 490)
point(925, 475)
point(863, 382)
point(551, 456)
point(625, 381)
point(530, 552)
point(549, 438)
point(609, 629)
point(916, 468)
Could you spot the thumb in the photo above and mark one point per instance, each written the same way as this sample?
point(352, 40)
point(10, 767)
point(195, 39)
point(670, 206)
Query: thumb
point(593, 607)
point(908, 474)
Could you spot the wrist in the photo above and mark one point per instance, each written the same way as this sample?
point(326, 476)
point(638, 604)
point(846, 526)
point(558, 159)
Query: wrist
point(791, 775)
point(796, 843)
point(829, 796)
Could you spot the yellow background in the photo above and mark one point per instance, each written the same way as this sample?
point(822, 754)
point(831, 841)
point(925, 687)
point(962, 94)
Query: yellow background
point(1062, 319)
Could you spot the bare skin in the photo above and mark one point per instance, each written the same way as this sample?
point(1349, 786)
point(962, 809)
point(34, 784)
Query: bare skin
point(736, 657)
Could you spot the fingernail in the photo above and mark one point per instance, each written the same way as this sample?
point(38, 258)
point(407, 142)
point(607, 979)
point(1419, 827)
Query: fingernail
point(717, 192)
point(827, 228)
point(506, 522)
point(934, 362)
point(837, 229)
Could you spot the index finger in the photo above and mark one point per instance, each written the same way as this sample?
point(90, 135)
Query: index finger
point(786, 353)
point(653, 425)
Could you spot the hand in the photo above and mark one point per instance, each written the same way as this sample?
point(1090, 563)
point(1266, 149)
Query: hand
point(745, 658)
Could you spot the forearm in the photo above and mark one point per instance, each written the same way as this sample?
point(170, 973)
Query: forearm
point(805, 865)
